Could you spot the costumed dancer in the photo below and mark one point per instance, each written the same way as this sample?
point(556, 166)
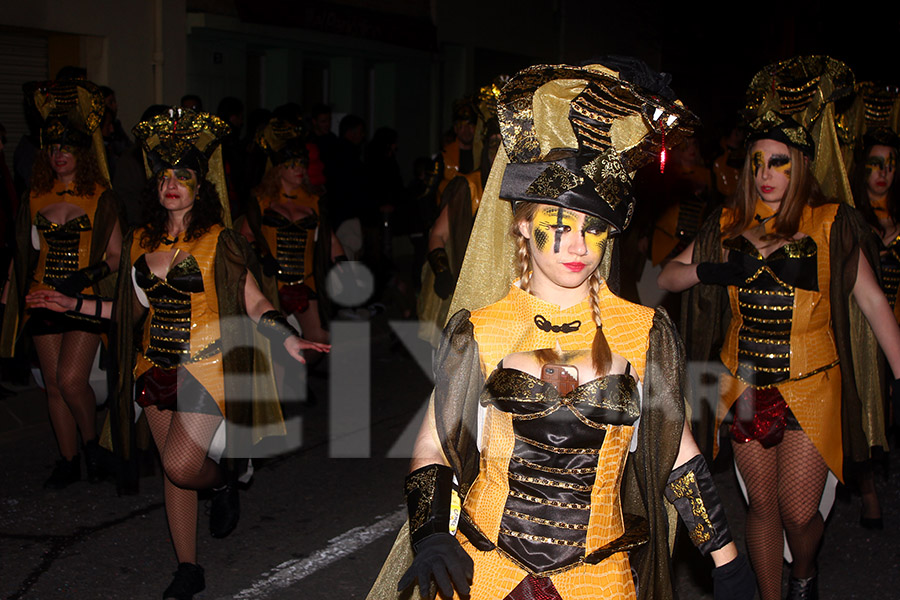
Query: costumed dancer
point(876, 198)
point(286, 225)
point(791, 277)
point(459, 200)
point(68, 238)
point(186, 294)
point(555, 453)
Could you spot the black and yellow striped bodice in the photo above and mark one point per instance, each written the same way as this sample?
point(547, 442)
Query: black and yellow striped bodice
point(553, 468)
point(766, 304)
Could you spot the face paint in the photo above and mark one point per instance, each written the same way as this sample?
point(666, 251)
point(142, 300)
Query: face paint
point(880, 166)
point(595, 232)
point(579, 243)
point(757, 161)
point(61, 148)
point(185, 178)
point(557, 220)
point(782, 164)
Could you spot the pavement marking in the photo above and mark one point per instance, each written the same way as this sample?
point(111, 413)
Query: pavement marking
point(290, 572)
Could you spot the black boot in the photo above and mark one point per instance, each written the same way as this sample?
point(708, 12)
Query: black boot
point(93, 461)
point(188, 581)
point(803, 589)
point(65, 473)
point(224, 510)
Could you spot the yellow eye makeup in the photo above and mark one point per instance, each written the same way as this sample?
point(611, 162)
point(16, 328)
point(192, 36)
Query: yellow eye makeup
point(757, 161)
point(781, 163)
point(555, 221)
point(185, 177)
point(595, 233)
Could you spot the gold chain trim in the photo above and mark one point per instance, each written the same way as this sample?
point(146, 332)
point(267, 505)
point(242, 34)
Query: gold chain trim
point(550, 483)
point(539, 521)
point(777, 383)
point(556, 450)
point(540, 538)
point(752, 291)
point(763, 307)
point(765, 369)
point(764, 354)
point(545, 502)
point(557, 470)
point(756, 340)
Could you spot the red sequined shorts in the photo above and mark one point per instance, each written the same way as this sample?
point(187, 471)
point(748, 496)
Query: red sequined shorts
point(762, 414)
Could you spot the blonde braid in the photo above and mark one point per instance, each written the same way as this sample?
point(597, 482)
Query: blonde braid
point(524, 258)
point(601, 355)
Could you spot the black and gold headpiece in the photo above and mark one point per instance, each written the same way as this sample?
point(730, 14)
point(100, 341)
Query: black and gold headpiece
point(282, 140)
point(784, 129)
point(881, 136)
point(71, 110)
point(880, 104)
point(576, 135)
point(811, 91)
point(180, 138)
point(800, 87)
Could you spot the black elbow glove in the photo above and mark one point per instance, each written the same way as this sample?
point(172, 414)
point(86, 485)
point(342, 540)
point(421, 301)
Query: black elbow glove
point(692, 491)
point(444, 281)
point(734, 580)
point(269, 265)
point(726, 273)
point(82, 278)
point(439, 556)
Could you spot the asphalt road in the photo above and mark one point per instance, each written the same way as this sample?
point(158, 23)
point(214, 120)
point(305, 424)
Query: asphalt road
point(318, 520)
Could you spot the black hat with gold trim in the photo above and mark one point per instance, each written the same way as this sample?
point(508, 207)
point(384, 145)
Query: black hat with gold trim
point(881, 136)
point(576, 135)
point(784, 129)
point(71, 110)
point(180, 139)
point(282, 140)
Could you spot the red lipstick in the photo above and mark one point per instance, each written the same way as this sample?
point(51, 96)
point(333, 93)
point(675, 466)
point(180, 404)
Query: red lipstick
point(574, 266)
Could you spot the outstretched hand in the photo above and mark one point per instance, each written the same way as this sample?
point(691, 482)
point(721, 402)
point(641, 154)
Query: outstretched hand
point(440, 557)
point(51, 300)
point(296, 345)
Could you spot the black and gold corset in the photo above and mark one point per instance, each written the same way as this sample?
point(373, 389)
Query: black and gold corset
point(63, 242)
point(292, 239)
point(890, 270)
point(766, 305)
point(553, 467)
point(170, 301)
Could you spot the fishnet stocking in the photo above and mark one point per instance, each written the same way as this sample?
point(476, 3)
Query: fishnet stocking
point(183, 441)
point(784, 485)
point(70, 398)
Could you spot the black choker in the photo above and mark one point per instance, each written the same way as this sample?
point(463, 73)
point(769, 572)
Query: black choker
point(763, 221)
point(544, 325)
point(169, 242)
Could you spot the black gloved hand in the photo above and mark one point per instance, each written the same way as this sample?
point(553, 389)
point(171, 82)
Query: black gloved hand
point(441, 557)
point(734, 580)
point(444, 281)
point(269, 265)
point(726, 273)
point(82, 278)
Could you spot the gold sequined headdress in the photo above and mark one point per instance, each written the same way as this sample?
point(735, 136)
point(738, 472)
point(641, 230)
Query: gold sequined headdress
point(282, 140)
point(576, 135)
point(184, 139)
point(806, 88)
point(556, 120)
point(71, 111)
